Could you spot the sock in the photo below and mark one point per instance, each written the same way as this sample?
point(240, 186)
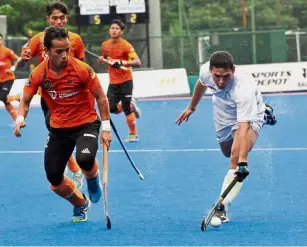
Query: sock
point(10, 98)
point(131, 123)
point(11, 110)
point(72, 164)
point(235, 190)
point(68, 191)
point(93, 173)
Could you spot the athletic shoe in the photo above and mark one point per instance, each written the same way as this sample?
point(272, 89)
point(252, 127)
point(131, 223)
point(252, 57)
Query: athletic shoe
point(80, 212)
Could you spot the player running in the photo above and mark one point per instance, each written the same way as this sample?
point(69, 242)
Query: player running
point(7, 77)
point(68, 86)
point(121, 56)
point(57, 16)
point(239, 114)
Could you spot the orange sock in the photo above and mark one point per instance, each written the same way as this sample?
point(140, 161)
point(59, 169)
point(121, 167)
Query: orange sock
point(12, 98)
point(11, 110)
point(68, 191)
point(131, 123)
point(94, 172)
point(72, 164)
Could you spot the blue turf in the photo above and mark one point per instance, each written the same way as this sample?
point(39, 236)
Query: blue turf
point(179, 187)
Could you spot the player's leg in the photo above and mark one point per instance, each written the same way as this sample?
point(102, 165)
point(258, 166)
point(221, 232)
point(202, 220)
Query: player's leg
point(230, 148)
point(59, 148)
point(126, 89)
point(72, 164)
point(113, 98)
point(86, 149)
point(4, 93)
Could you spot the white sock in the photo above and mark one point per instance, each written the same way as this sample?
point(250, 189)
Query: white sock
point(235, 190)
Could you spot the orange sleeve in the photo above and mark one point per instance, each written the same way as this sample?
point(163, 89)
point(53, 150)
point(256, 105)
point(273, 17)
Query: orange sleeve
point(129, 50)
point(33, 45)
point(33, 82)
point(91, 80)
point(80, 49)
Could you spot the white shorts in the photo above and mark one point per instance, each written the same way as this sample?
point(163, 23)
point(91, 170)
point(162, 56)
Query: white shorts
point(226, 134)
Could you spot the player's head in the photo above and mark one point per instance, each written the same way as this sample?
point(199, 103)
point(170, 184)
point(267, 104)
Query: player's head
point(221, 68)
point(56, 46)
point(57, 14)
point(1, 39)
point(117, 28)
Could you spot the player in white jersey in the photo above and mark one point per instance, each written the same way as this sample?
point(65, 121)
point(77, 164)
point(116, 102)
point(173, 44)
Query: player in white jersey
point(239, 114)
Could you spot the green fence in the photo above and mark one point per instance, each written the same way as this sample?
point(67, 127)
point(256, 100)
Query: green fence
point(190, 51)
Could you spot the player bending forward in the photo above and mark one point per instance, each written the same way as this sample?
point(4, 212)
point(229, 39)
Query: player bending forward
point(239, 114)
point(68, 86)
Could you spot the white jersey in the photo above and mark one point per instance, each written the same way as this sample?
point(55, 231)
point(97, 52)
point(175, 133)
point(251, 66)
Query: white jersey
point(240, 101)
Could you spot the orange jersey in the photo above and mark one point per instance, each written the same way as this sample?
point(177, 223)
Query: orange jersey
point(6, 57)
point(36, 46)
point(68, 95)
point(122, 50)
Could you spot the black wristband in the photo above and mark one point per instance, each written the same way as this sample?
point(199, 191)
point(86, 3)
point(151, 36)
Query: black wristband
point(242, 164)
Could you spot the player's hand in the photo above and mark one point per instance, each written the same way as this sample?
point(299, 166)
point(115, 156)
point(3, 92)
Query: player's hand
point(242, 172)
point(184, 116)
point(101, 59)
point(117, 64)
point(19, 123)
point(9, 71)
point(25, 54)
point(106, 138)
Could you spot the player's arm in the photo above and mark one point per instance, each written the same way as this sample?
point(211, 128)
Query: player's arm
point(246, 112)
point(198, 93)
point(80, 50)
point(95, 88)
point(13, 57)
point(133, 59)
point(30, 49)
point(29, 91)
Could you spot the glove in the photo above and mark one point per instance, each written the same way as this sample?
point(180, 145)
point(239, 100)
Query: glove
point(242, 172)
point(117, 64)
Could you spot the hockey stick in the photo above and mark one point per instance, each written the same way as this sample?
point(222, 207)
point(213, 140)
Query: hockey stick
point(105, 182)
point(206, 220)
point(111, 62)
point(126, 152)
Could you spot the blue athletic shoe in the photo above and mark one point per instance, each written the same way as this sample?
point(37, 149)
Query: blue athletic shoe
point(94, 189)
point(80, 211)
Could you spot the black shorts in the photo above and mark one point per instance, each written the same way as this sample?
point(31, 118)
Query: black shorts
point(60, 146)
point(5, 89)
point(120, 92)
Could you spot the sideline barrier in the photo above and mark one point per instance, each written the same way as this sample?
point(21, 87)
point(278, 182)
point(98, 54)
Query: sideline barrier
point(147, 84)
point(273, 78)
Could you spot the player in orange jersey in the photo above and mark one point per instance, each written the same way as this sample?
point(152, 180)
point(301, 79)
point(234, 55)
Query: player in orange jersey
point(57, 16)
point(68, 86)
point(121, 56)
point(7, 77)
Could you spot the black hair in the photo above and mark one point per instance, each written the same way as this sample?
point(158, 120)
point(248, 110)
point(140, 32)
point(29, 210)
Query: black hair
point(57, 5)
point(1, 35)
point(120, 23)
point(221, 59)
point(52, 33)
